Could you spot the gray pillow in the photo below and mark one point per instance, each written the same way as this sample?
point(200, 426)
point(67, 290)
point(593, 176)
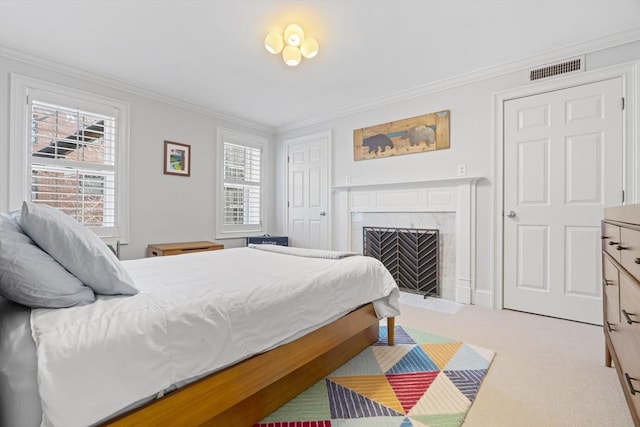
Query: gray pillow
point(77, 248)
point(29, 276)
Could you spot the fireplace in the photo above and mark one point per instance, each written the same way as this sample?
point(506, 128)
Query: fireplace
point(444, 222)
point(410, 255)
point(444, 204)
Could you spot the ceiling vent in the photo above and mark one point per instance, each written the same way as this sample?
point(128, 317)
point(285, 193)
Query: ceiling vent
point(565, 67)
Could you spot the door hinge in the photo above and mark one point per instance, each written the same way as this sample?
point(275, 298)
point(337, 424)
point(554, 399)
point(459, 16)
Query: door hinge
point(623, 102)
point(622, 196)
point(288, 159)
point(287, 203)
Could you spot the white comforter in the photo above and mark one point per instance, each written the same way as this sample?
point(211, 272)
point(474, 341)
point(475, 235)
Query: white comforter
point(194, 314)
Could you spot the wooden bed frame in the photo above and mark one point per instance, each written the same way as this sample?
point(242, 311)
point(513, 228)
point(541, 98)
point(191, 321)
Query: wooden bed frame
point(245, 393)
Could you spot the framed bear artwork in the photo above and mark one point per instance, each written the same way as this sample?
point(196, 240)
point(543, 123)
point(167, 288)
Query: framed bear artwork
point(428, 132)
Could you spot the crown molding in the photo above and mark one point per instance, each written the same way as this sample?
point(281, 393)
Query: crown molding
point(609, 41)
point(589, 46)
point(113, 83)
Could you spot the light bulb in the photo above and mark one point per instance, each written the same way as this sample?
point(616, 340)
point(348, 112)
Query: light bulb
point(273, 42)
point(291, 56)
point(293, 35)
point(309, 47)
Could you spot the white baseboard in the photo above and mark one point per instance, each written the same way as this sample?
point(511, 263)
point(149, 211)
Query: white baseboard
point(484, 298)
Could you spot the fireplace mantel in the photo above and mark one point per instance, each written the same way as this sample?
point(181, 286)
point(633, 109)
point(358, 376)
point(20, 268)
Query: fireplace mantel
point(409, 184)
point(456, 195)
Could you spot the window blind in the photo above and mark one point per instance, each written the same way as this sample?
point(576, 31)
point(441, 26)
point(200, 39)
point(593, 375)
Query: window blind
point(242, 185)
point(73, 162)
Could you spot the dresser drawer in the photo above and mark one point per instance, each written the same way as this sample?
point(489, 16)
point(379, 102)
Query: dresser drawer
point(630, 253)
point(630, 308)
point(611, 293)
point(611, 240)
point(628, 347)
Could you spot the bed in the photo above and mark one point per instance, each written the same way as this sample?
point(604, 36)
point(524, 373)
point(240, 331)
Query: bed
point(211, 338)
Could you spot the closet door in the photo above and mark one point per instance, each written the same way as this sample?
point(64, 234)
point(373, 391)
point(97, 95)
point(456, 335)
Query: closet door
point(563, 163)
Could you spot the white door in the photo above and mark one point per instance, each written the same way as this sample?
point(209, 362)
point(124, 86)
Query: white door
point(308, 192)
point(563, 163)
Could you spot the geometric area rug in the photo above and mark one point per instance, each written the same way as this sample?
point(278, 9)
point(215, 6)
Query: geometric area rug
point(423, 380)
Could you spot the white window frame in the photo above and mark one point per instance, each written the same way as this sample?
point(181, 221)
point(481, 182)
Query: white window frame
point(240, 138)
point(22, 87)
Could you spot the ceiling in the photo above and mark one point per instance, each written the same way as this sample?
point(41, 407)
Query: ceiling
point(211, 53)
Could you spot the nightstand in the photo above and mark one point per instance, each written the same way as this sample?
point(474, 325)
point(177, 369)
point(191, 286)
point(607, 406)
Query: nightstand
point(164, 249)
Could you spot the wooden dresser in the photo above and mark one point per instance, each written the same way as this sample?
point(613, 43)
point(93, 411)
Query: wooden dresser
point(621, 298)
point(164, 249)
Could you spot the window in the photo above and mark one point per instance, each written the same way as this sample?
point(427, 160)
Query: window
point(240, 192)
point(73, 155)
point(241, 185)
point(73, 163)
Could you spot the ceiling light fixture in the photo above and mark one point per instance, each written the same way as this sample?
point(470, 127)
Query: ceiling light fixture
point(292, 43)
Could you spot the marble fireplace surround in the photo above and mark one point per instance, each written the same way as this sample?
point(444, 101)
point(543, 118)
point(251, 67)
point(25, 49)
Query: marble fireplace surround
point(457, 195)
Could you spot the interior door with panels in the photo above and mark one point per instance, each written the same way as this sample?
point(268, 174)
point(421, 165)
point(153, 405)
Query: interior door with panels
point(308, 191)
point(563, 163)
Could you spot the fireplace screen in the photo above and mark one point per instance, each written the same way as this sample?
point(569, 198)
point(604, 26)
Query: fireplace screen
point(410, 255)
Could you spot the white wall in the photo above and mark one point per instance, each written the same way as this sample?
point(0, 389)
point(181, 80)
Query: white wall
point(163, 208)
point(472, 143)
point(168, 208)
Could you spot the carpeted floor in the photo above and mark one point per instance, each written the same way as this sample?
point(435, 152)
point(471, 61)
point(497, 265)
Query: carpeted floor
point(424, 380)
point(546, 372)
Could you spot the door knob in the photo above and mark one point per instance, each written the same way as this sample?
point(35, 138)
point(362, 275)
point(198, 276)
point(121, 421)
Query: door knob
point(323, 213)
point(511, 214)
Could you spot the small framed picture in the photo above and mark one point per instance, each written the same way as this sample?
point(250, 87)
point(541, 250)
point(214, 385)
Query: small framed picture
point(177, 158)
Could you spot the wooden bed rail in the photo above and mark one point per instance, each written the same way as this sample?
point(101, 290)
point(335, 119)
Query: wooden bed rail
point(245, 393)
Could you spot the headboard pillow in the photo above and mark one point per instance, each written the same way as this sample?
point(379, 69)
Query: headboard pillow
point(29, 276)
point(77, 248)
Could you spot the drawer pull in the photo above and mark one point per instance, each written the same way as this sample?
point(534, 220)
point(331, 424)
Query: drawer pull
point(628, 317)
point(610, 327)
point(613, 243)
point(620, 248)
point(636, 260)
point(630, 384)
